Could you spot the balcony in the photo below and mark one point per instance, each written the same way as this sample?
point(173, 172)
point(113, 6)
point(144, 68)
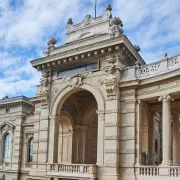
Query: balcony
point(158, 172)
point(72, 171)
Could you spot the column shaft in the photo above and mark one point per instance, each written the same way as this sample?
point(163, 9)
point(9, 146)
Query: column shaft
point(166, 125)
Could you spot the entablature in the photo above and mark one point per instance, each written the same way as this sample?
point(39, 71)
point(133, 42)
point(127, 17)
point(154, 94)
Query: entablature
point(74, 56)
point(21, 100)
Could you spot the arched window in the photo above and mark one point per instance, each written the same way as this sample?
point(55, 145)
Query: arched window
point(7, 148)
point(30, 150)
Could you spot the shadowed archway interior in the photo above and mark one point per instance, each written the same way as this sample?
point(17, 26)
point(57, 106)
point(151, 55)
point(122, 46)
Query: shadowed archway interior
point(76, 129)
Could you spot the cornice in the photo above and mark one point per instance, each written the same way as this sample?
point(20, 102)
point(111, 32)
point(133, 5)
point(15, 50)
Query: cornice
point(90, 50)
point(15, 101)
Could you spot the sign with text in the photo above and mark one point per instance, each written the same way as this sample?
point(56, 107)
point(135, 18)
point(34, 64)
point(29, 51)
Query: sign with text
point(78, 70)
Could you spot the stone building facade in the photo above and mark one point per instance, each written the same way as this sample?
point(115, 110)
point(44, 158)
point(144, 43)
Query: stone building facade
point(100, 111)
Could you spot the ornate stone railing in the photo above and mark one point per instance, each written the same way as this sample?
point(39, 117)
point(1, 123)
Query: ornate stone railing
point(158, 68)
point(157, 172)
point(175, 172)
point(149, 171)
point(150, 70)
point(72, 170)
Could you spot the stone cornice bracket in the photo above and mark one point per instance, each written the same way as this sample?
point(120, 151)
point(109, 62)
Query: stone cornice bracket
point(165, 98)
point(113, 72)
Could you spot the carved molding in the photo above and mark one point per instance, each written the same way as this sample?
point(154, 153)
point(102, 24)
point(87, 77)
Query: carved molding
point(6, 127)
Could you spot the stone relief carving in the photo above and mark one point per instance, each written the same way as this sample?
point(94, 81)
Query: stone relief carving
point(112, 75)
point(76, 81)
point(44, 82)
point(44, 88)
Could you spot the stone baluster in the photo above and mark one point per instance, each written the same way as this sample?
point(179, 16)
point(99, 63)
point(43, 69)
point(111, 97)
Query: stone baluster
point(175, 137)
point(166, 128)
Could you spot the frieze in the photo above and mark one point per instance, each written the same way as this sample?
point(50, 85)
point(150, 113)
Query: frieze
point(78, 70)
point(157, 88)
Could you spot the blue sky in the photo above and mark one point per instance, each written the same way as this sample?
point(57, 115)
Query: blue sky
point(26, 26)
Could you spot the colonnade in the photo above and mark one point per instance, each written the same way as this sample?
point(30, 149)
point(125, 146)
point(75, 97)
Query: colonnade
point(166, 132)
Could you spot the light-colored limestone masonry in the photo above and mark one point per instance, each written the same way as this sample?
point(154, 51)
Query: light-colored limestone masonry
point(100, 111)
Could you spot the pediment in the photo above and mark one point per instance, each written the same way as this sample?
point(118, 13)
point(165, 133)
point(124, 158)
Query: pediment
point(6, 126)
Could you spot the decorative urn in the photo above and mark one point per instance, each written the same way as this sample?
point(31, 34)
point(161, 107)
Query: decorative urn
point(52, 42)
point(116, 21)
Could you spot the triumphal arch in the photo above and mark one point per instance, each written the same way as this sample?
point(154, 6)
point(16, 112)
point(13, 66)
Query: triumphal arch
point(100, 112)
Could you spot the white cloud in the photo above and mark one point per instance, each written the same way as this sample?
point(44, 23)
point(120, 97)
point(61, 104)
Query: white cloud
point(151, 24)
point(25, 28)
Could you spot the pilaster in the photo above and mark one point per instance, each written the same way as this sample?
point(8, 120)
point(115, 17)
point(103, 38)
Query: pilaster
point(17, 148)
point(52, 122)
point(101, 134)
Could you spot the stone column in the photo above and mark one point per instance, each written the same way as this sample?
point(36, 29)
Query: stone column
point(176, 138)
point(100, 138)
point(51, 139)
point(166, 128)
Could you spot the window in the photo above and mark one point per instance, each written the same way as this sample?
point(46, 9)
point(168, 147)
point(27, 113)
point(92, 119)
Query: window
point(30, 150)
point(7, 148)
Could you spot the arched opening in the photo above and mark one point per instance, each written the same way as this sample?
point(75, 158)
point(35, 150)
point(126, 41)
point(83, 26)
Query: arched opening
point(76, 129)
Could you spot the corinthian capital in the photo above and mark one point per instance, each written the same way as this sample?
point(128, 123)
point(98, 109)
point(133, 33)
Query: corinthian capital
point(166, 97)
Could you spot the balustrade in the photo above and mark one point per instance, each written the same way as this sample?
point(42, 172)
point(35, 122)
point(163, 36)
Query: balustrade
point(175, 172)
point(172, 172)
point(73, 170)
point(158, 68)
point(149, 171)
